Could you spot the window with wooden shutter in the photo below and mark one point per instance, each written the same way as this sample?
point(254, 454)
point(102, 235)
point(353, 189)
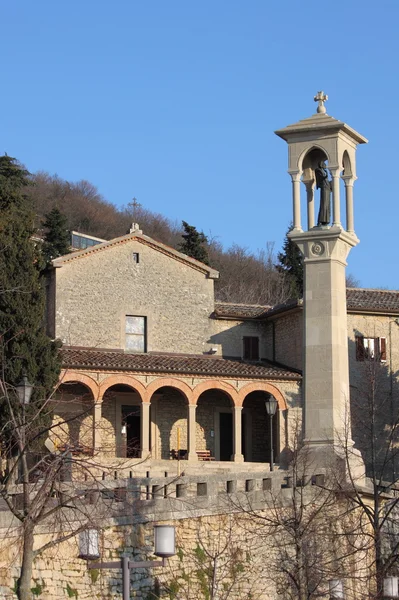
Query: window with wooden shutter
point(251, 348)
point(370, 348)
point(383, 349)
point(359, 347)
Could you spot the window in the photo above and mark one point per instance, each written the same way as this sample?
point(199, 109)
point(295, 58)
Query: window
point(371, 348)
point(251, 348)
point(135, 330)
point(136, 258)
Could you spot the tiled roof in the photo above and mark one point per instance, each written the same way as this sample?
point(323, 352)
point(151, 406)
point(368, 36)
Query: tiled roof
point(372, 300)
point(240, 311)
point(358, 299)
point(82, 358)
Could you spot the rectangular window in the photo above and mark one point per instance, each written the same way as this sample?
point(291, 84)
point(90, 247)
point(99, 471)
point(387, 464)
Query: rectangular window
point(251, 348)
point(371, 348)
point(136, 257)
point(135, 330)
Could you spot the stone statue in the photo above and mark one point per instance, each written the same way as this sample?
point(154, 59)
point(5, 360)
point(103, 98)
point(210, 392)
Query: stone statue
point(324, 185)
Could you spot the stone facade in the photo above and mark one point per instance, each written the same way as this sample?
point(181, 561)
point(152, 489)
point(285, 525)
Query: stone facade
point(97, 289)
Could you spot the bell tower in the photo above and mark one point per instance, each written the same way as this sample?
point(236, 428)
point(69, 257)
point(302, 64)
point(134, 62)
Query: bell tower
point(321, 152)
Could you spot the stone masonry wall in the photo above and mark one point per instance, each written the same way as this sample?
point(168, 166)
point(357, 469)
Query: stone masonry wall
point(96, 292)
point(227, 336)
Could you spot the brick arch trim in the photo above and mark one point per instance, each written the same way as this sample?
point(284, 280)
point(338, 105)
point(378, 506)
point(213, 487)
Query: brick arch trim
point(89, 382)
point(169, 382)
point(215, 385)
point(124, 380)
point(262, 387)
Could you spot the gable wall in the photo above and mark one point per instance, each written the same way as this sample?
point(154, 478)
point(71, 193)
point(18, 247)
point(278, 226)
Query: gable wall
point(96, 292)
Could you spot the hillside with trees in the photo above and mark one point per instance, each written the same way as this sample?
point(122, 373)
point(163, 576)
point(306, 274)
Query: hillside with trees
point(245, 276)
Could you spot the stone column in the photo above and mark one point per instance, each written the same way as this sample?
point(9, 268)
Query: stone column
point(310, 201)
point(191, 432)
point(336, 199)
point(145, 429)
point(325, 340)
point(97, 411)
point(237, 427)
point(296, 200)
point(349, 181)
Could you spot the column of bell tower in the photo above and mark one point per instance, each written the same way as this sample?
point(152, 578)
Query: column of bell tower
point(321, 151)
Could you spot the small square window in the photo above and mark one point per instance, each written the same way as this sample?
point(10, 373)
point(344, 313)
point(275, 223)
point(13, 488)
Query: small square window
point(135, 333)
point(251, 348)
point(136, 257)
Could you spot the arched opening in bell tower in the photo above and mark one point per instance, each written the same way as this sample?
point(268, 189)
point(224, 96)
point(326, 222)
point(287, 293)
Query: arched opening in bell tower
point(310, 162)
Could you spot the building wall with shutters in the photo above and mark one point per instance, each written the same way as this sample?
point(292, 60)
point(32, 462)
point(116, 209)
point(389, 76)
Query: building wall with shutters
point(374, 385)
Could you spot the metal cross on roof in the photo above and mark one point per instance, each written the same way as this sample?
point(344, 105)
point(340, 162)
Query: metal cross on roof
point(321, 97)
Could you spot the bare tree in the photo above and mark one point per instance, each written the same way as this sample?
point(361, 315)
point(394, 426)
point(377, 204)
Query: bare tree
point(375, 426)
point(43, 485)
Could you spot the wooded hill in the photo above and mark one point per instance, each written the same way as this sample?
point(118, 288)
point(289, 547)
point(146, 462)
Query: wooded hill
point(245, 277)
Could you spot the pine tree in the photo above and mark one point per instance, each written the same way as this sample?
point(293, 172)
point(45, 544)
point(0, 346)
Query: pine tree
point(24, 345)
point(291, 263)
point(57, 238)
point(194, 243)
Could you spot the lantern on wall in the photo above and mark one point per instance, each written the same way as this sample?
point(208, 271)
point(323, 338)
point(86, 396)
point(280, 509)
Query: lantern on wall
point(164, 540)
point(89, 547)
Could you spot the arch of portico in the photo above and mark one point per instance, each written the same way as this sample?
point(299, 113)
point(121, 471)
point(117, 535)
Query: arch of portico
point(199, 410)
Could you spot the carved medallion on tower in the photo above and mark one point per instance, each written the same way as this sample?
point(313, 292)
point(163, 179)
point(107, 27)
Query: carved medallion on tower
point(317, 248)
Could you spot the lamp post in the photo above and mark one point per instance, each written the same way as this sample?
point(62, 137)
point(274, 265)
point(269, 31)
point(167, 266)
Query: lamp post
point(164, 542)
point(24, 391)
point(271, 407)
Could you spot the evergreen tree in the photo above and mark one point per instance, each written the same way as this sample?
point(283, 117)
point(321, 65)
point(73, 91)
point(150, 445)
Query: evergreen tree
point(57, 238)
point(24, 345)
point(194, 243)
point(291, 263)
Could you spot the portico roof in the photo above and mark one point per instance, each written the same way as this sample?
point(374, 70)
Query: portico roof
point(118, 360)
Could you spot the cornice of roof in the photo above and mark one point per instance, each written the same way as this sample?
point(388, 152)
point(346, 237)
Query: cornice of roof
point(142, 239)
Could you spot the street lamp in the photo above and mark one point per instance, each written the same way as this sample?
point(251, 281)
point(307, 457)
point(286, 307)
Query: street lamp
point(391, 587)
point(336, 589)
point(271, 407)
point(24, 390)
point(164, 542)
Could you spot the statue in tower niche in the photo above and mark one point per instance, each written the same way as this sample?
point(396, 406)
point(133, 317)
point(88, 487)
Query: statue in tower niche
point(324, 185)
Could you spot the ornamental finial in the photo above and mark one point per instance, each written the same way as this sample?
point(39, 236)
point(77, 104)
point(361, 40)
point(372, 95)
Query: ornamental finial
point(321, 97)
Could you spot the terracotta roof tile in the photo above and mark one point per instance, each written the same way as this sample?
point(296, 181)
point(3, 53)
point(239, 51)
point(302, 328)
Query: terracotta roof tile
point(81, 358)
point(372, 300)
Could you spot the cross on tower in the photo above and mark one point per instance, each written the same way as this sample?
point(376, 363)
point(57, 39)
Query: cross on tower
point(321, 97)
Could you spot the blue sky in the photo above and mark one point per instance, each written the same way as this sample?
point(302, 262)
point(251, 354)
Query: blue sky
point(176, 102)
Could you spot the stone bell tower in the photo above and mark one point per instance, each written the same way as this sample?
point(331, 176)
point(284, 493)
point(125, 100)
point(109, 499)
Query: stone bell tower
point(322, 151)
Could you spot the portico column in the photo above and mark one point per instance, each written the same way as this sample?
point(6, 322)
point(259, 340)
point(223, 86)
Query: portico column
point(145, 429)
point(237, 427)
point(97, 411)
point(336, 200)
point(310, 202)
point(296, 200)
point(191, 441)
point(349, 181)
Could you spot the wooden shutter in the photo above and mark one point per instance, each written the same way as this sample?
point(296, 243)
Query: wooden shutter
point(247, 348)
point(359, 347)
point(383, 348)
point(255, 348)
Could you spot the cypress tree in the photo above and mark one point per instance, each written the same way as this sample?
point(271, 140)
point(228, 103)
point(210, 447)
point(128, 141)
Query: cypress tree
point(57, 238)
point(291, 263)
point(194, 243)
point(25, 347)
